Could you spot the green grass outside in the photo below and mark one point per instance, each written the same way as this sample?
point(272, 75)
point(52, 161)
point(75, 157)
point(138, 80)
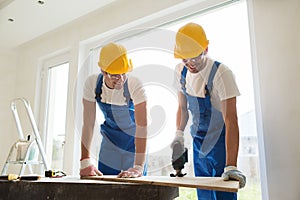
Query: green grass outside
point(250, 192)
point(187, 193)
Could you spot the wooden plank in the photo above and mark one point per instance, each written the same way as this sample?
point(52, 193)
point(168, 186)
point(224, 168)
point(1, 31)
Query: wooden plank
point(207, 183)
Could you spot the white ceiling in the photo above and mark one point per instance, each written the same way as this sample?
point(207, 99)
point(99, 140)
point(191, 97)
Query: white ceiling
point(32, 19)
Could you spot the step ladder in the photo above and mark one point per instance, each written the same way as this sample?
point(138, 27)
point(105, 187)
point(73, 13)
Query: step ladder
point(25, 150)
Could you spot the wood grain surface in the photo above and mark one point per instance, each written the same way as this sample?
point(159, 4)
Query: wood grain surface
point(207, 183)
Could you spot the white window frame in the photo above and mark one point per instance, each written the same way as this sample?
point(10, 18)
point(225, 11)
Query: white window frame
point(42, 97)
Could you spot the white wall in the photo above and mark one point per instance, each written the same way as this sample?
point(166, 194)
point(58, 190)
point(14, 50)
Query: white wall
point(275, 29)
point(8, 132)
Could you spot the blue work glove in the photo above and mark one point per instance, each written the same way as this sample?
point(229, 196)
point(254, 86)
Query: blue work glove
point(232, 173)
point(178, 138)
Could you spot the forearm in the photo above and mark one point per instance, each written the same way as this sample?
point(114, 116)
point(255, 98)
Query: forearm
point(181, 119)
point(182, 112)
point(140, 133)
point(232, 143)
point(89, 113)
point(86, 141)
point(140, 145)
point(232, 131)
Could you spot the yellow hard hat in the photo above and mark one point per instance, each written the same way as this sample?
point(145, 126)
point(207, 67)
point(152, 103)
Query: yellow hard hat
point(191, 41)
point(113, 59)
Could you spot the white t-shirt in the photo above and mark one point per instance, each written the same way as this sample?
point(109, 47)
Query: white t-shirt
point(114, 96)
point(224, 85)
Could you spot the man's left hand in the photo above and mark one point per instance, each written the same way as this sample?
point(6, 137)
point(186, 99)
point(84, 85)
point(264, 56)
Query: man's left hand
point(232, 173)
point(134, 172)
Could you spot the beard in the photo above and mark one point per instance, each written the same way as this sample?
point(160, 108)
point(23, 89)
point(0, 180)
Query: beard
point(118, 86)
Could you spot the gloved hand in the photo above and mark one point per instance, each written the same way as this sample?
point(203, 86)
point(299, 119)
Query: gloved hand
point(232, 173)
point(178, 138)
point(88, 169)
point(134, 172)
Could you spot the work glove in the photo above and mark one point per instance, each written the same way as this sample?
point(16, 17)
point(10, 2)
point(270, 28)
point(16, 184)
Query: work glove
point(232, 173)
point(88, 169)
point(134, 172)
point(178, 138)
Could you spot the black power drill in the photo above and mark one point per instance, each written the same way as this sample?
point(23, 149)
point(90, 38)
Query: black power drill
point(179, 158)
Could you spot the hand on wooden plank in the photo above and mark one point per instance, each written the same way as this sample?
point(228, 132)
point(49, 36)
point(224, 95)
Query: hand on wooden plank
point(136, 171)
point(232, 173)
point(88, 169)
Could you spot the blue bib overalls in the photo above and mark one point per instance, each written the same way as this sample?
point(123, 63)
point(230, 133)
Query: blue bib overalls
point(208, 133)
point(117, 151)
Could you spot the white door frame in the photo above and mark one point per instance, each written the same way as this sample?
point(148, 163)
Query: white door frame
point(46, 64)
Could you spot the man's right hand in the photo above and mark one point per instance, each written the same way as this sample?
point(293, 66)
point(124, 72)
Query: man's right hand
point(88, 169)
point(232, 173)
point(178, 138)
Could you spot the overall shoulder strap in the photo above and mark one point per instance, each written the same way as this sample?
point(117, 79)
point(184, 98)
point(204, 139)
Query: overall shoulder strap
point(212, 75)
point(126, 93)
point(182, 78)
point(98, 89)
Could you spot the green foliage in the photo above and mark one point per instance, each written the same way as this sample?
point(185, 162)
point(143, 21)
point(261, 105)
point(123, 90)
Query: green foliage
point(187, 193)
point(250, 192)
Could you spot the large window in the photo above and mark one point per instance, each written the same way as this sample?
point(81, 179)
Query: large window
point(55, 76)
point(56, 117)
point(151, 52)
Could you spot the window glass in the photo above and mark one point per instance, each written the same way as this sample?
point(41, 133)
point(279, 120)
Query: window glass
point(153, 60)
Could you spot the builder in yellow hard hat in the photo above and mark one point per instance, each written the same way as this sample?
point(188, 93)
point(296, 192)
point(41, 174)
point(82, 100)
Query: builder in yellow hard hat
point(122, 100)
point(208, 89)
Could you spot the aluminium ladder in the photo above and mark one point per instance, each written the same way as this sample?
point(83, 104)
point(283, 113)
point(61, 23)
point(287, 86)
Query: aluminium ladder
point(25, 148)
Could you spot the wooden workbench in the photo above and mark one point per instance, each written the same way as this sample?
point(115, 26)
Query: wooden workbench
point(74, 188)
